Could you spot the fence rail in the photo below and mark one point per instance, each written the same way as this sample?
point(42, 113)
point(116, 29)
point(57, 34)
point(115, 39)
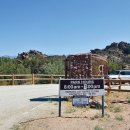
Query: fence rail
point(16, 79)
point(25, 78)
point(119, 83)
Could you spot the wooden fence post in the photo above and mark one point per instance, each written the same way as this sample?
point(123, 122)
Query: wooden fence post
point(120, 85)
point(33, 82)
point(109, 86)
point(12, 79)
point(51, 79)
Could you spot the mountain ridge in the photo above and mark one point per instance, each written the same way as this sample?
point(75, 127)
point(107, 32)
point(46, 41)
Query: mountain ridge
point(116, 52)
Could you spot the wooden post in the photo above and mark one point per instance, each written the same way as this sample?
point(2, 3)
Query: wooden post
point(33, 82)
point(12, 79)
point(51, 79)
point(109, 87)
point(119, 85)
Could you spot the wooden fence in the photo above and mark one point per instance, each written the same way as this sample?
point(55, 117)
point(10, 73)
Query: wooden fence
point(16, 79)
point(111, 83)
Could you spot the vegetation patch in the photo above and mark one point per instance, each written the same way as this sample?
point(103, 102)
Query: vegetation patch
point(70, 110)
point(128, 98)
point(98, 128)
point(115, 109)
point(119, 118)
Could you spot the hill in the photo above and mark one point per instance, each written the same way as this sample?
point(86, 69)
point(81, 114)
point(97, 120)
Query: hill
point(42, 63)
point(118, 53)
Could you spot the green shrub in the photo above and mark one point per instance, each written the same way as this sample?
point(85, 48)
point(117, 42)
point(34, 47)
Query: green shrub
point(98, 128)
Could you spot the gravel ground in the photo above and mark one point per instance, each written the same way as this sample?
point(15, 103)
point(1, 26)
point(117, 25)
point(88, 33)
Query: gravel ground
point(20, 103)
point(117, 116)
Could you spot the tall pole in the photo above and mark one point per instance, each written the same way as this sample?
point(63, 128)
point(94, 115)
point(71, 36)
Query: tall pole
point(103, 106)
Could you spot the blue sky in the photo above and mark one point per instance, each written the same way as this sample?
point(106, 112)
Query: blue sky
point(62, 26)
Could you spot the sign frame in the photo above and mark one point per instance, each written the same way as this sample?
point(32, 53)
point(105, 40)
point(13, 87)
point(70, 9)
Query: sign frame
point(80, 88)
point(85, 87)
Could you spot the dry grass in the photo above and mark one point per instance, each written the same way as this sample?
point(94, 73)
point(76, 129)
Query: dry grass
point(117, 116)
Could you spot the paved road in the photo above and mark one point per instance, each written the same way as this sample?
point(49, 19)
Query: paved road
point(19, 100)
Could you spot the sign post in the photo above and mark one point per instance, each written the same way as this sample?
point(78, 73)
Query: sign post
point(81, 87)
point(59, 106)
point(102, 106)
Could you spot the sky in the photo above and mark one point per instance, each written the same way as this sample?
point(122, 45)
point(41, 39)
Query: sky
point(62, 27)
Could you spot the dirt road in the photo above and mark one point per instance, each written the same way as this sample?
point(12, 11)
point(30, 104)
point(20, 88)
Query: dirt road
point(21, 102)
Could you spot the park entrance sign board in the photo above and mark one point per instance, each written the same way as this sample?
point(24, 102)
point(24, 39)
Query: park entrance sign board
point(84, 87)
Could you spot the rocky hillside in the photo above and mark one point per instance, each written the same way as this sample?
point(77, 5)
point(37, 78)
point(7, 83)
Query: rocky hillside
point(116, 52)
point(26, 55)
point(118, 55)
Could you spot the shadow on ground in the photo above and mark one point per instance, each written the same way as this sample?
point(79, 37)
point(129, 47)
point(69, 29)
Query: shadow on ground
point(120, 101)
point(45, 99)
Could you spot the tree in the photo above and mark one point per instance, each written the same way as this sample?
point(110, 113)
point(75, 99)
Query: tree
point(11, 66)
point(54, 66)
point(113, 66)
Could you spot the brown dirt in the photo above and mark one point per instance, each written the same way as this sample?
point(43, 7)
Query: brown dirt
point(117, 116)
